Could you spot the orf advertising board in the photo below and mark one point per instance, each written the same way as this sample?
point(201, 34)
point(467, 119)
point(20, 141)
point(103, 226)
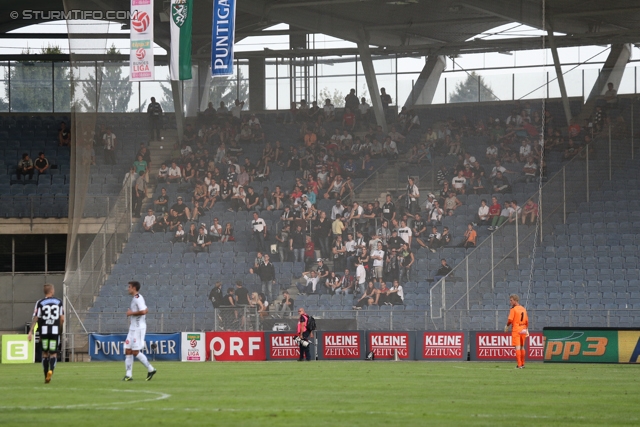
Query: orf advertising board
point(345, 345)
point(497, 346)
point(193, 347)
point(111, 347)
point(441, 346)
point(281, 346)
point(591, 345)
point(385, 344)
point(236, 346)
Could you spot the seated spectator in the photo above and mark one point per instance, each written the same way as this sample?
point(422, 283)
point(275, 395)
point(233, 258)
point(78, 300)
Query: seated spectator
point(163, 174)
point(435, 215)
point(227, 234)
point(287, 303)
point(347, 284)
point(202, 241)
point(189, 173)
point(180, 211)
point(25, 167)
point(336, 189)
point(369, 297)
point(390, 149)
point(571, 150)
point(179, 236)
point(41, 164)
point(470, 236)
point(505, 215)
point(501, 184)
point(443, 271)
point(395, 296)
point(310, 285)
point(148, 221)
point(482, 217)
point(445, 237)
point(161, 223)
point(530, 170)
point(174, 174)
point(525, 150)
point(451, 203)
point(492, 152)
point(477, 184)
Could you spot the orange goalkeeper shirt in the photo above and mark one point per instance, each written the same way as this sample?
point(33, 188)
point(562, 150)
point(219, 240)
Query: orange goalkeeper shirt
point(518, 319)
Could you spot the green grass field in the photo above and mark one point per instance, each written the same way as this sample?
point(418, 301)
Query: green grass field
point(322, 394)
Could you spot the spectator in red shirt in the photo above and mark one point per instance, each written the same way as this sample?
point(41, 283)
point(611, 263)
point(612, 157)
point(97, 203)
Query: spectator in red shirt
point(349, 119)
point(494, 209)
point(309, 252)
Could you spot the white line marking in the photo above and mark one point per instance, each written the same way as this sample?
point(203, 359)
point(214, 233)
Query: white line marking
point(102, 405)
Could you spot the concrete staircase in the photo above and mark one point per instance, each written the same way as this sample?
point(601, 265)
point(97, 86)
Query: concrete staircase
point(161, 151)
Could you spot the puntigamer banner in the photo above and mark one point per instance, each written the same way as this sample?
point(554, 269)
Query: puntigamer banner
point(222, 37)
point(110, 347)
point(591, 345)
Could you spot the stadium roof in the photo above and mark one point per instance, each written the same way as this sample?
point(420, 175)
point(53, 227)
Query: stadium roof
point(392, 26)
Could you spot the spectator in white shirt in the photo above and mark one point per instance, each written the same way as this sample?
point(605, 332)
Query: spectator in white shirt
point(405, 232)
point(175, 174)
point(378, 261)
point(149, 220)
point(483, 213)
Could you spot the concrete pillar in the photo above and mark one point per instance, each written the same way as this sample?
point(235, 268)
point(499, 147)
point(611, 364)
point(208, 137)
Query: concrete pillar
point(176, 91)
point(372, 82)
point(204, 83)
point(612, 70)
point(425, 87)
point(257, 75)
point(563, 88)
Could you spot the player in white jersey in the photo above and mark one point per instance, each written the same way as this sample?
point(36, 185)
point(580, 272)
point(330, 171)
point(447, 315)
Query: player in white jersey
point(137, 328)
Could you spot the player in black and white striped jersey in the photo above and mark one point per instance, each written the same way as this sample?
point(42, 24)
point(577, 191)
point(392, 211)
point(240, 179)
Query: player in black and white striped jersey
point(48, 315)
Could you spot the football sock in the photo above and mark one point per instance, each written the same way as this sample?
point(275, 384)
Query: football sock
point(128, 363)
point(143, 359)
point(522, 356)
point(45, 364)
point(52, 362)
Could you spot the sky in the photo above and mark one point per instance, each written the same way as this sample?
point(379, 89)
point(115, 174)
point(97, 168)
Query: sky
point(497, 68)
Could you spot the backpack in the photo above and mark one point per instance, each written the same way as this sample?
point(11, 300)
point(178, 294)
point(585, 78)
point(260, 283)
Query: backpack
point(311, 324)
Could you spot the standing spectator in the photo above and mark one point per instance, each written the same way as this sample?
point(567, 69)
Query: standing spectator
point(304, 333)
point(154, 112)
point(405, 261)
point(149, 221)
point(25, 167)
point(386, 100)
point(259, 228)
point(41, 164)
point(215, 296)
point(443, 271)
point(378, 261)
point(283, 243)
point(110, 143)
point(529, 213)
point(339, 254)
point(267, 273)
point(309, 251)
point(361, 276)
point(405, 233)
point(349, 119)
point(412, 197)
point(64, 135)
point(140, 192)
point(297, 244)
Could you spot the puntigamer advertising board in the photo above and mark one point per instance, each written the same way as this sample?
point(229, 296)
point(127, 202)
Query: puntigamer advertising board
point(591, 345)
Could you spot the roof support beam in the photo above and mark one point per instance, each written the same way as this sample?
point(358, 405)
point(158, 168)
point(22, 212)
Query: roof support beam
point(560, 76)
point(372, 82)
point(427, 83)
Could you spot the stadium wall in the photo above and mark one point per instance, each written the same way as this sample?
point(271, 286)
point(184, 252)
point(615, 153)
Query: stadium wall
point(18, 294)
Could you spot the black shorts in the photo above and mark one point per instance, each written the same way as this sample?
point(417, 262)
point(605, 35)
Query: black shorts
point(50, 342)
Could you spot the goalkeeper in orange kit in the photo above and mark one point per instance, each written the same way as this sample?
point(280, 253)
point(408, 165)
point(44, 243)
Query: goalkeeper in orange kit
point(519, 322)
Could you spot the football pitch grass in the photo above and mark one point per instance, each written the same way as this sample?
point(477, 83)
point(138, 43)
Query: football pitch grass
point(322, 394)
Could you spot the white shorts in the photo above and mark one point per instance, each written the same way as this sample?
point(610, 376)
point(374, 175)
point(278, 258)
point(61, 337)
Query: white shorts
point(135, 339)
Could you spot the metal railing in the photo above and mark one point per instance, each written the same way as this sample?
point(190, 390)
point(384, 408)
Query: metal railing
point(513, 243)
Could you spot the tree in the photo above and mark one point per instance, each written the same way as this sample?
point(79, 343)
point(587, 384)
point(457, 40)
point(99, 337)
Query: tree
point(31, 88)
point(114, 90)
point(467, 91)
